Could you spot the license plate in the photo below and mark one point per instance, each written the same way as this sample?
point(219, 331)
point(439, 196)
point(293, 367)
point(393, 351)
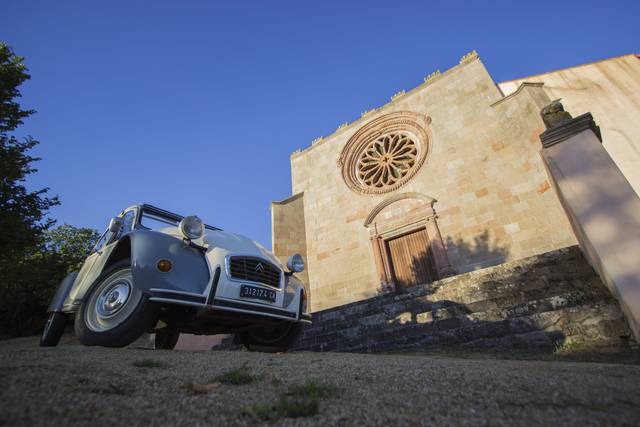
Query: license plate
point(247, 291)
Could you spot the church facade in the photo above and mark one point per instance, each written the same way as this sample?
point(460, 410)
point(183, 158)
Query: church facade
point(442, 180)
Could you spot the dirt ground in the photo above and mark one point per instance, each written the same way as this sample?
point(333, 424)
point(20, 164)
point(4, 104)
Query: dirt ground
point(75, 385)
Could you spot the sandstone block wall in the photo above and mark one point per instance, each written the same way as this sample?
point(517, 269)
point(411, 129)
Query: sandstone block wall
point(494, 203)
point(608, 89)
point(288, 233)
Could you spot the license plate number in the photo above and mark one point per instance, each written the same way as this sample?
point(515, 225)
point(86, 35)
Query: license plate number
point(247, 291)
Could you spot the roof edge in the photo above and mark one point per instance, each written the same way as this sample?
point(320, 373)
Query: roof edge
point(570, 67)
point(288, 199)
point(516, 92)
point(466, 59)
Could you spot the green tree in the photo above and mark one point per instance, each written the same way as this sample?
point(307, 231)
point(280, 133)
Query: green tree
point(34, 279)
point(28, 271)
point(71, 244)
point(22, 212)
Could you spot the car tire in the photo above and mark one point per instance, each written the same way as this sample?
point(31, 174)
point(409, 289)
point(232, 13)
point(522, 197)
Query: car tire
point(114, 312)
point(53, 329)
point(166, 340)
point(268, 340)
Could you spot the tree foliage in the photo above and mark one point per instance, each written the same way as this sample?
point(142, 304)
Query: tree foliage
point(71, 244)
point(30, 285)
point(31, 261)
point(22, 212)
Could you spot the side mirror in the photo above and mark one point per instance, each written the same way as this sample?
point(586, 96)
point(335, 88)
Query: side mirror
point(115, 224)
point(295, 263)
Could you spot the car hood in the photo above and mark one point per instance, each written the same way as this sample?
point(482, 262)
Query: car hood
point(238, 244)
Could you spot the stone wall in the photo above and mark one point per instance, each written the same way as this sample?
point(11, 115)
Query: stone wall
point(610, 90)
point(542, 301)
point(288, 232)
point(484, 170)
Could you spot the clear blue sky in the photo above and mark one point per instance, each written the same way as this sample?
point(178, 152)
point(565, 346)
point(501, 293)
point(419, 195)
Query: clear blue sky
point(195, 106)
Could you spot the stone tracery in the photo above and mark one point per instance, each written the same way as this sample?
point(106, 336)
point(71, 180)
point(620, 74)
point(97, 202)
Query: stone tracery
point(385, 153)
point(387, 160)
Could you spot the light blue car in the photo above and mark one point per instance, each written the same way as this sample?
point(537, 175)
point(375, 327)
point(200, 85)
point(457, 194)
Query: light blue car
point(156, 271)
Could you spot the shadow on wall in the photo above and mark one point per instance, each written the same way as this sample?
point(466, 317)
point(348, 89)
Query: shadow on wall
point(445, 324)
point(480, 253)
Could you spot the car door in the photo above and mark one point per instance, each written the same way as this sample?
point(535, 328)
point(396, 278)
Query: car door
point(94, 264)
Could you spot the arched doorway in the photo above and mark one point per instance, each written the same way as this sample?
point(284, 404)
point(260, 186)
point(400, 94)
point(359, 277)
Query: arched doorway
point(406, 242)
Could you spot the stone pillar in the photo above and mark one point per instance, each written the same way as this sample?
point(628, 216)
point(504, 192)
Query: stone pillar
point(377, 254)
point(601, 205)
point(439, 252)
point(386, 259)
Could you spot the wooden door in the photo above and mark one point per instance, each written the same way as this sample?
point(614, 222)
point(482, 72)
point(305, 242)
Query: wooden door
point(411, 261)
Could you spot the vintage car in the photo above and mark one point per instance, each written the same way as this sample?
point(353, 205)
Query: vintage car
point(156, 271)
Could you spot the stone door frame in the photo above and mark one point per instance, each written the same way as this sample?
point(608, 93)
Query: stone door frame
point(379, 234)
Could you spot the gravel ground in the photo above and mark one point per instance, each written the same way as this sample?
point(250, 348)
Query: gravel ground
point(75, 385)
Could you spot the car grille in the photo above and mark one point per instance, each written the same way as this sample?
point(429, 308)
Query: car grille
point(255, 270)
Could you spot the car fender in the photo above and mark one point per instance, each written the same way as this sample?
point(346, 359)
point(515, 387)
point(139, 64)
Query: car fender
point(58, 301)
point(294, 290)
point(92, 268)
point(189, 273)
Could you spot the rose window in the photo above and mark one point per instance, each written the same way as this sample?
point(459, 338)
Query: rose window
point(385, 153)
point(387, 160)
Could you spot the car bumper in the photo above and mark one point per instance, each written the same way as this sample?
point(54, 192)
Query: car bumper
point(222, 304)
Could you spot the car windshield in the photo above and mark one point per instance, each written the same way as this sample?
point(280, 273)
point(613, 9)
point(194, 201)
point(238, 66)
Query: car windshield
point(155, 222)
point(155, 218)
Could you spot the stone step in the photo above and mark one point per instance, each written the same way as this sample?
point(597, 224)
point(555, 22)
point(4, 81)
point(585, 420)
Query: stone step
point(488, 284)
point(526, 288)
point(451, 318)
point(600, 323)
point(420, 311)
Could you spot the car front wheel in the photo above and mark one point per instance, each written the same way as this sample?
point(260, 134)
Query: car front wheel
point(271, 339)
point(114, 312)
point(53, 329)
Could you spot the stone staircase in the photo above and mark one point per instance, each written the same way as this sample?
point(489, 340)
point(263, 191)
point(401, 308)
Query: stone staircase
point(545, 301)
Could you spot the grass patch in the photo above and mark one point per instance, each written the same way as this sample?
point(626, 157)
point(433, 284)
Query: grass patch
point(237, 376)
point(299, 400)
point(312, 389)
point(296, 407)
point(285, 408)
point(149, 363)
point(263, 412)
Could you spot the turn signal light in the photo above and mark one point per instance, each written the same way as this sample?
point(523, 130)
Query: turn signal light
point(164, 265)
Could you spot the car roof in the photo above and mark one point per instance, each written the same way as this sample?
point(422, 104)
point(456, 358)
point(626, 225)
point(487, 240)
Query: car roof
point(165, 213)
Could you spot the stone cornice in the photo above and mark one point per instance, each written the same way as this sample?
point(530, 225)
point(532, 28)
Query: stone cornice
point(566, 130)
point(430, 79)
point(288, 199)
point(516, 93)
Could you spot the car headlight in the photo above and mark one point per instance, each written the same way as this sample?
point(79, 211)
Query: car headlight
point(295, 263)
point(192, 227)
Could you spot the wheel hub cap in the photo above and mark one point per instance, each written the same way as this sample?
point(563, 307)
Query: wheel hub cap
point(113, 298)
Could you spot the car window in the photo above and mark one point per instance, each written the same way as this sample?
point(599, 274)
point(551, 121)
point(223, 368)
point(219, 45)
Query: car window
point(127, 223)
point(155, 222)
point(104, 239)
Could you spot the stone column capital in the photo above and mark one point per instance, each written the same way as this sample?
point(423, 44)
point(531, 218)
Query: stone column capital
point(561, 126)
